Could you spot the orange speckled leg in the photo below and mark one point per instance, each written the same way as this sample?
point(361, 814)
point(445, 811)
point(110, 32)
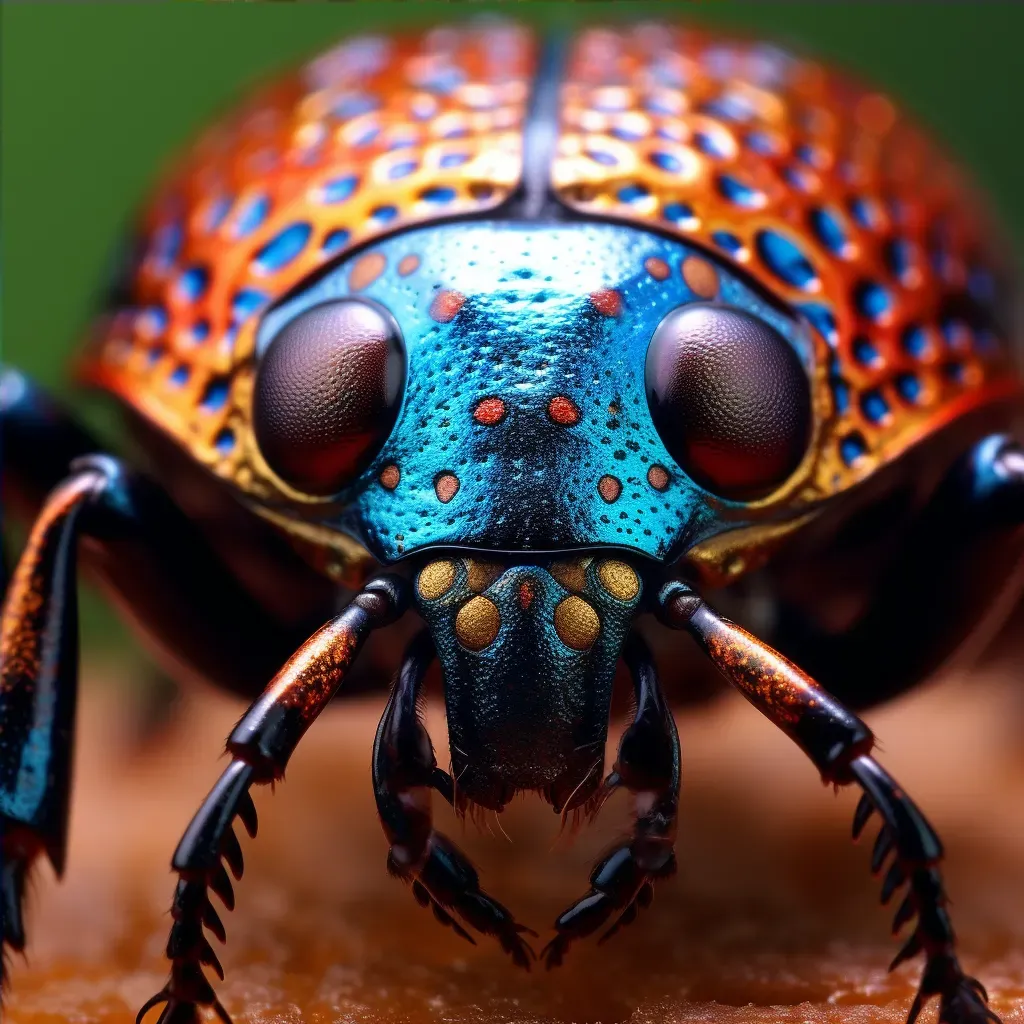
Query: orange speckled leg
point(840, 744)
point(260, 746)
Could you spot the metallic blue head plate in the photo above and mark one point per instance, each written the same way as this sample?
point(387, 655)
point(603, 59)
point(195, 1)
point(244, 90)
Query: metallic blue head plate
point(551, 323)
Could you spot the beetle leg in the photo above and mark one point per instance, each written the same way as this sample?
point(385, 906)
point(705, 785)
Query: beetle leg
point(404, 773)
point(260, 747)
point(647, 766)
point(840, 745)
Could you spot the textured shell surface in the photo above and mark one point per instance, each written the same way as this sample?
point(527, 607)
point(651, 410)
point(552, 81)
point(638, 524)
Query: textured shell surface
point(529, 209)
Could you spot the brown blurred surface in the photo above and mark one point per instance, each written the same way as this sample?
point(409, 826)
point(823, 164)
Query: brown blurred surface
point(773, 916)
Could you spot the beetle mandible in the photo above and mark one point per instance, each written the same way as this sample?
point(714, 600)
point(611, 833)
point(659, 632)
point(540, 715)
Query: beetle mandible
point(531, 336)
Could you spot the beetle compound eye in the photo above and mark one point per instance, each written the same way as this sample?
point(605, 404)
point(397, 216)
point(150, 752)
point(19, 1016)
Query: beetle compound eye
point(327, 393)
point(730, 399)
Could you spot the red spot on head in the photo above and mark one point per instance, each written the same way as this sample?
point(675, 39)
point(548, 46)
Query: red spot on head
point(390, 476)
point(408, 264)
point(525, 594)
point(563, 411)
point(657, 268)
point(446, 486)
point(607, 301)
point(609, 488)
point(489, 411)
point(658, 478)
point(446, 305)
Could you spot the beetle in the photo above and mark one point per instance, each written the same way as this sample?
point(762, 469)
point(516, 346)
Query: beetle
point(532, 337)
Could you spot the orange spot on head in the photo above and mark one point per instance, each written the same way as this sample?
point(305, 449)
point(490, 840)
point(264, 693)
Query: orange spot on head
point(657, 268)
point(525, 594)
point(563, 411)
point(609, 488)
point(446, 486)
point(700, 277)
point(366, 270)
point(607, 301)
point(389, 476)
point(408, 264)
point(446, 305)
point(658, 478)
point(489, 411)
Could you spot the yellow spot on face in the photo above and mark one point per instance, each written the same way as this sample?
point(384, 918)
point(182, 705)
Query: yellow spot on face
point(571, 574)
point(700, 276)
point(576, 623)
point(618, 579)
point(481, 574)
point(435, 580)
point(477, 623)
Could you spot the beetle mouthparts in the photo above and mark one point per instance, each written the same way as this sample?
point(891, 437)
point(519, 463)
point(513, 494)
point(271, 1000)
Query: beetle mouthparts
point(528, 655)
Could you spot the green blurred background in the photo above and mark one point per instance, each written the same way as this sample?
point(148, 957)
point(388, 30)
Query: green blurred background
point(94, 97)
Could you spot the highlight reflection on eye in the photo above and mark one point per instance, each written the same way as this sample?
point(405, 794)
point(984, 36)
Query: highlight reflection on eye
point(327, 393)
point(730, 399)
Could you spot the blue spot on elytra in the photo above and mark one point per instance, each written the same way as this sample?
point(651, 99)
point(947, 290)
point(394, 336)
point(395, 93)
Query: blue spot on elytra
point(737, 192)
point(384, 214)
point(253, 214)
point(808, 155)
point(956, 333)
point(192, 283)
point(981, 286)
point(219, 209)
point(245, 303)
point(167, 244)
point(852, 447)
point(402, 142)
point(283, 248)
point(200, 331)
point(914, 341)
point(864, 352)
point(898, 257)
point(953, 372)
point(666, 162)
point(908, 387)
point(827, 225)
point(354, 105)
point(338, 190)
point(456, 132)
point(438, 194)
point(336, 240)
point(658, 105)
point(731, 106)
point(841, 393)
point(224, 441)
point(865, 212)
point(708, 143)
point(154, 355)
point(215, 396)
point(180, 376)
point(626, 134)
point(153, 320)
point(632, 193)
point(677, 213)
point(603, 157)
point(366, 136)
point(874, 406)
point(822, 319)
point(786, 261)
point(727, 241)
point(403, 169)
point(454, 159)
point(761, 142)
point(872, 299)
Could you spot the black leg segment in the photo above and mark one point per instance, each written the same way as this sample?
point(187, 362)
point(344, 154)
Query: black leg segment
point(840, 746)
point(404, 774)
point(648, 767)
point(260, 746)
